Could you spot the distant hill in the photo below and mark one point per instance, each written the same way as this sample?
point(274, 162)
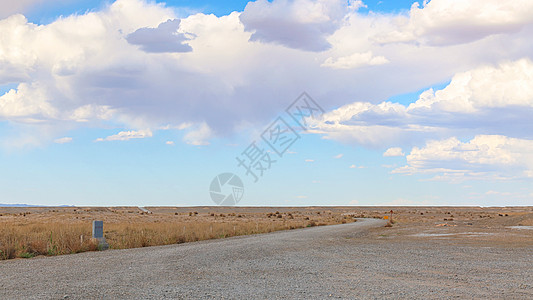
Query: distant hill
point(31, 205)
point(17, 205)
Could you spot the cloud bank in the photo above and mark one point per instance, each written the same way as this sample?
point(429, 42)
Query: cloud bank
point(135, 66)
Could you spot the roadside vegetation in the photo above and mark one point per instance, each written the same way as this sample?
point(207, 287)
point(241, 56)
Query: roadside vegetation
point(65, 231)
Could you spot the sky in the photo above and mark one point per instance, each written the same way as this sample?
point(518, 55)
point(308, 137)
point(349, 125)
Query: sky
point(308, 102)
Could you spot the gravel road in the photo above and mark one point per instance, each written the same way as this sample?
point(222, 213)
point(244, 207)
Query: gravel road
point(342, 261)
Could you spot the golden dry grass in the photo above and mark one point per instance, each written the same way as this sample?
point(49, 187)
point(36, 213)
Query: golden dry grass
point(68, 230)
point(28, 240)
point(27, 232)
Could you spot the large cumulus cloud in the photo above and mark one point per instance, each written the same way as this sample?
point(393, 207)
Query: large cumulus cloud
point(129, 65)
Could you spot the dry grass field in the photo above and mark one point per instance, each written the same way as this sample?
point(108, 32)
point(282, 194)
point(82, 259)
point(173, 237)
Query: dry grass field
point(28, 232)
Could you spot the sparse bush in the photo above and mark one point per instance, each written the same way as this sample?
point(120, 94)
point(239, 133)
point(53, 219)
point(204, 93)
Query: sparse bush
point(26, 255)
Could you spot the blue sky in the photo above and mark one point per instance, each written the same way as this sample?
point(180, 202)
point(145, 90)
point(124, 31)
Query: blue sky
point(44, 13)
point(134, 102)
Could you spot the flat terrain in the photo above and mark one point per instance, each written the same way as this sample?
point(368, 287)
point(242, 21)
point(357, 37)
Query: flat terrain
point(474, 253)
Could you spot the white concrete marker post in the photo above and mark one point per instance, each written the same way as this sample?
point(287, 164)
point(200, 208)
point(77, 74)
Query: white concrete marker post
point(98, 233)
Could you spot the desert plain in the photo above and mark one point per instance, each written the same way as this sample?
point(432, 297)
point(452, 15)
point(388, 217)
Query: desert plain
point(32, 231)
point(251, 252)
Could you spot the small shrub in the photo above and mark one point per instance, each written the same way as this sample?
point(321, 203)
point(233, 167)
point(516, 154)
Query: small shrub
point(26, 255)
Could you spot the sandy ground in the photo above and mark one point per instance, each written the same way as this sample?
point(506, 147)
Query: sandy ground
point(361, 260)
point(429, 252)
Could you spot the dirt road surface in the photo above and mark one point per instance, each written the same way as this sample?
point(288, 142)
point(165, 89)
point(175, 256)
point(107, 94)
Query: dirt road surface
point(348, 261)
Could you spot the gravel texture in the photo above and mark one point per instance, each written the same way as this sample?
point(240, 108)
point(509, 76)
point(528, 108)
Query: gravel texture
point(347, 261)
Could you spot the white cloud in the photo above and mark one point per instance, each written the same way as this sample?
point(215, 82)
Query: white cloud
point(91, 112)
point(485, 100)
point(486, 87)
point(199, 135)
point(357, 167)
point(301, 197)
point(444, 22)
point(63, 140)
point(354, 61)
point(80, 70)
point(127, 135)
point(395, 151)
point(309, 160)
point(28, 102)
point(483, 157)
point(340, 155)
point(171, 143)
